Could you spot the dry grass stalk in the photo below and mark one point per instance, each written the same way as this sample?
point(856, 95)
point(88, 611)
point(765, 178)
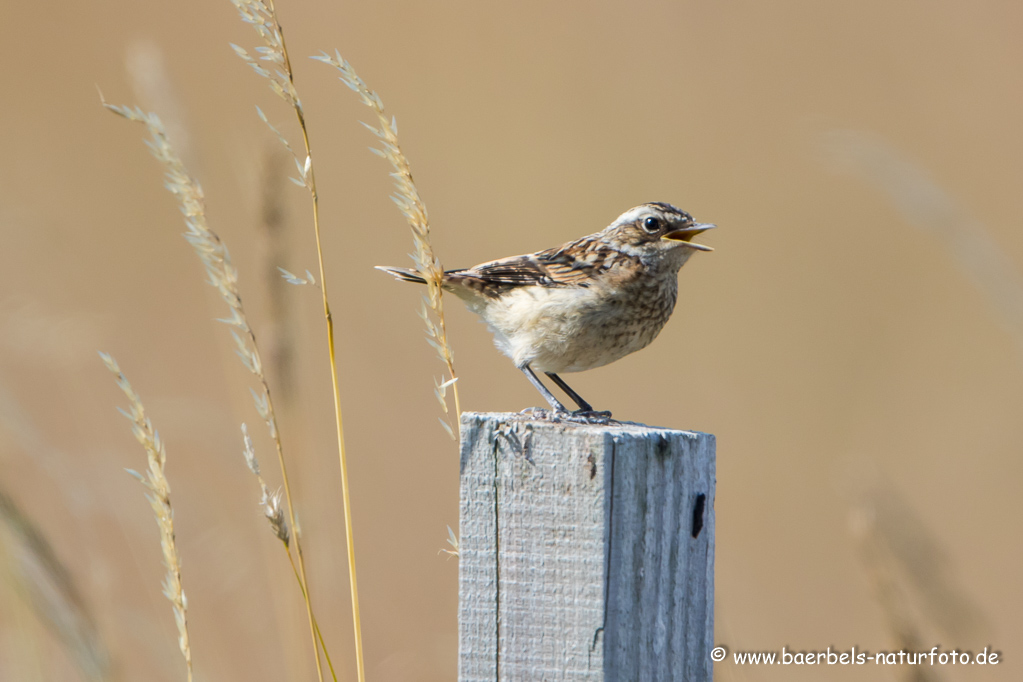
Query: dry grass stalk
point(412, 207)
point(903, 624)
point(224, 278)
point(925, 204)
point(156, 483)
point(274, 513)
point(884, 518)
point(911, 578)
point(42, 577)
point(262, 16)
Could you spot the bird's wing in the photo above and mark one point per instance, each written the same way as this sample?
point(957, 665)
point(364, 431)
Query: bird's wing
point(515, 271)
point(577, 263)
point(571, 265)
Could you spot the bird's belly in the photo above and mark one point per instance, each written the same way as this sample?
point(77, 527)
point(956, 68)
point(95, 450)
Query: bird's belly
point(574, 329)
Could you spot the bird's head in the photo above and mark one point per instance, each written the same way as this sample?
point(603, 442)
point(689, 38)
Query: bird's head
point(657, 228)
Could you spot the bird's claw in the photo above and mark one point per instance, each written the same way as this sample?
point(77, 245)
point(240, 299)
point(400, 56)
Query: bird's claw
point(590, 417)
point(577, 417)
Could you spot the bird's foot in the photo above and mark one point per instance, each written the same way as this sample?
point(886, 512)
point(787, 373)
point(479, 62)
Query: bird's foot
point(577, 417)
point(590, 417)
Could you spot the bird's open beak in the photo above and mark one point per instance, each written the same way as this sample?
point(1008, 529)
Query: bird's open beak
point(685, 235)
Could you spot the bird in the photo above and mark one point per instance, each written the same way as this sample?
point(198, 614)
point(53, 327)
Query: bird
point(584, 304)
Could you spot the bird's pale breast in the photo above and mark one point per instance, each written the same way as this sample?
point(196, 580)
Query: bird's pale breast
point(572, 329)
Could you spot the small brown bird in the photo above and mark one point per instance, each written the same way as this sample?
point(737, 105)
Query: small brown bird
point(584, 304)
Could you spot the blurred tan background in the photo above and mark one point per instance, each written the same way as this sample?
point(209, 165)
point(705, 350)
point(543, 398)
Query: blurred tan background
point(855, 341)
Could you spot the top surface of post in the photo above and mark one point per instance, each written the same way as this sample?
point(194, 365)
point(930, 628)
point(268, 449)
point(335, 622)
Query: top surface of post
point(612, 426)
point(477, 420)
point(527, 418)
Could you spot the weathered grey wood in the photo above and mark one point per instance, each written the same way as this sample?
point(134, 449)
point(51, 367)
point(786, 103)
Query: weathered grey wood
point(581, 552)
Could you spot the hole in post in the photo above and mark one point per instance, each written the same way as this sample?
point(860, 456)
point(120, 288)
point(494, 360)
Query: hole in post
point(698, 509)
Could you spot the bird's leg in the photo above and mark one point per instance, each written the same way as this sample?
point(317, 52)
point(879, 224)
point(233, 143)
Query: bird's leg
point(558, 407)
point(583, 405)
point(585, 410)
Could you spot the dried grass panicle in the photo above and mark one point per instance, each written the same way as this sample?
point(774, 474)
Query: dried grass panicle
point(223, 276)
point(274, 513)
point(292, 278)
point(274, 53)
point(213, 253)
point(262, 16)
point(207, 244)
point(271, 501)
point(453, 542)
point(153, 87)
point(410, 203)
point(156, 483)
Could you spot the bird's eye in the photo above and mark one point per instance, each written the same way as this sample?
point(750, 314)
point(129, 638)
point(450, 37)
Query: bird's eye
point(651, 224)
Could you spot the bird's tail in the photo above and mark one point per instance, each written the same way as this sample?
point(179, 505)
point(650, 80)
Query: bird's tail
point(403, 274)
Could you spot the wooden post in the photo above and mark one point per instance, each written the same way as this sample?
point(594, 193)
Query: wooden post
point(586, 552)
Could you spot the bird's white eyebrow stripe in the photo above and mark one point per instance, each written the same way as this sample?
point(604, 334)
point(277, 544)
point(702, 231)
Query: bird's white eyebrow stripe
point(632, 214)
